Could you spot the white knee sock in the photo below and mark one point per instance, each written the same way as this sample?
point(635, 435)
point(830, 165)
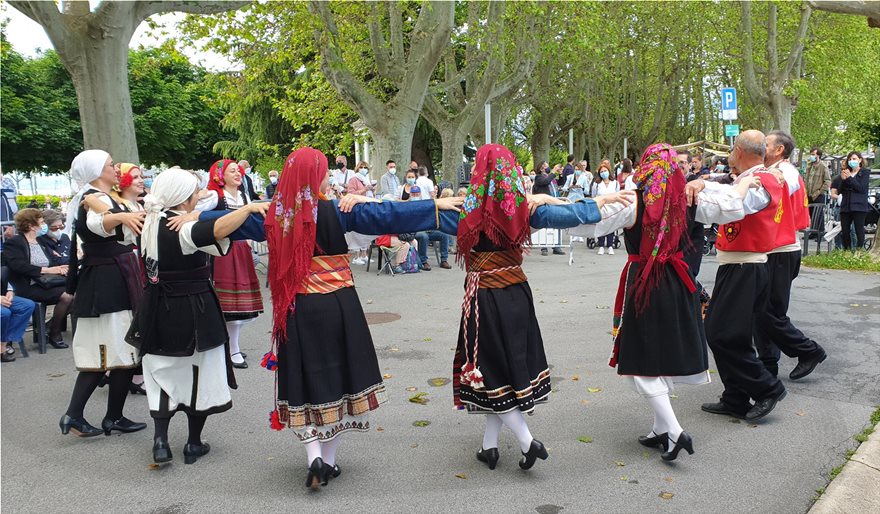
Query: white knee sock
point(328, 450)
point(234, 329)
point(313, 450)
point(664, 417)
point(516, 422)
point(493, 428)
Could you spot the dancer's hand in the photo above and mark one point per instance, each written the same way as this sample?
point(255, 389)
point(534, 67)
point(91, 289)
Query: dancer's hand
point(177, 222)
point(538, 200)
point(260, 208)
point(94, 204)
point(692, 191)
point(746, 183)
point(451, 203)
point(624, 198)
point(133, 220)
point(778, 174)
point(349, 201)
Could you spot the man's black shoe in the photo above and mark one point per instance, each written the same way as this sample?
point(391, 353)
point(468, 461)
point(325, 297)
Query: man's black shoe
point(722, 408)
point(805, 367)
point(765, 406)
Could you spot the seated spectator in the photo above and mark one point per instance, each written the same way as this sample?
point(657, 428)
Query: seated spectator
point(462, 192)
point(406, 192)
point(31, 273)
point(55, 242)
point(446, 193)
point(430, 235)
point(403, 253)
point(16, 312)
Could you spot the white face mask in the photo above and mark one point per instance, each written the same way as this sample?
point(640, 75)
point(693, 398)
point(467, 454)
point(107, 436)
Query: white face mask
point(273, 180)
point(56, 234)
point(364, 171)
point(392, 170)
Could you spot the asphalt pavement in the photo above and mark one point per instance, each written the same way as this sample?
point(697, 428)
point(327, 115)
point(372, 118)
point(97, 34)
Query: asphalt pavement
point(774, 466)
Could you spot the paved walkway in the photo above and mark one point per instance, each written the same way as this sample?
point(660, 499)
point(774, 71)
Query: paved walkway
point(857, 487)
point(774, 466)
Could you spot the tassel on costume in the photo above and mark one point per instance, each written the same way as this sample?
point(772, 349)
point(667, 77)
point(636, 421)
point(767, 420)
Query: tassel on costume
point(270, 361)
point(274, 421)
point(471, 375)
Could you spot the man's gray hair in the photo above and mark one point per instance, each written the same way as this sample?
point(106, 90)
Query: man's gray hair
point(752, 145)
point(784, 139)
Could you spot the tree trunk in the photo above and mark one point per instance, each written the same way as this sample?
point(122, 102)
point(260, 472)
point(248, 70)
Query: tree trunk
point(395, 142)
point(453, 143)
point(780, 109)
point(541, 141)
point(100, 75)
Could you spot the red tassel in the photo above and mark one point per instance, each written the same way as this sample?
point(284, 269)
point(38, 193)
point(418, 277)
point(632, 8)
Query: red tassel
point(274, 421)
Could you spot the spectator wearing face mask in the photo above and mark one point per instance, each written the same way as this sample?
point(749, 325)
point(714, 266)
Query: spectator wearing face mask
point(273, 183)
point(390, 184)
point(426, 184)
point(410, 191)
point(341, 175)
point(606, 185)
point(360, 183)
point(55, 241)
point(854, 206)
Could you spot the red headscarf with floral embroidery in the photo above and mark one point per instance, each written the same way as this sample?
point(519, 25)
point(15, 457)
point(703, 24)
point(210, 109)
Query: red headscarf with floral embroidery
point(291, 224)
point(217, 176)
point(664, 219)
point(495, 203)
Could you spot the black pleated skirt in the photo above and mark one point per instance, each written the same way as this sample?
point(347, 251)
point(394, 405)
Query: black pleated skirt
point(510, 354)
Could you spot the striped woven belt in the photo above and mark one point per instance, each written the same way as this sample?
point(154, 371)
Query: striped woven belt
point(486, 270)
point(327, 273)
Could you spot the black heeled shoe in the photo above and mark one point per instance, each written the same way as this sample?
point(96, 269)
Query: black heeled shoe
point(490, 457)
point(655, 441)
point(79, 426)
point(317, 475)
point(536, 451)
point(332, 471)
point(161, 451)
point(122, 424)
point(192, 452)
point(684, 441)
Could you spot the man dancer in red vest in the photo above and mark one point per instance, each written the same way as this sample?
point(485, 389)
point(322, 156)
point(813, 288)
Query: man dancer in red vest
point(741, 283)
point(773, 329)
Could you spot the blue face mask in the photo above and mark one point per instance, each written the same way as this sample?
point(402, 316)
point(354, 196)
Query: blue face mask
point(720, 167)
point(853, 164)
point(604, 175)
point(44, 229)
point(410, 180)
point(148, 183)
point(811, 158)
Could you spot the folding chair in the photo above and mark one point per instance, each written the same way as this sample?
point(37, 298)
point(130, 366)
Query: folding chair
point(817, 227)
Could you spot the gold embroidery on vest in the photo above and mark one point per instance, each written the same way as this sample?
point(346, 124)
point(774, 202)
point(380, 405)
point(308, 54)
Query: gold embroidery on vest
point(778, 218)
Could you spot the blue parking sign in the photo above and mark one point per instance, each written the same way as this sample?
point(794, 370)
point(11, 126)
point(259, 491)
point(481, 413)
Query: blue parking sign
point(728, 103)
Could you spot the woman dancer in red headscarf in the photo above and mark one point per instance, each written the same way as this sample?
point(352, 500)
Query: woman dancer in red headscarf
point(658, 329)
point(328, 377)
point(500, 368)
point(235, 278)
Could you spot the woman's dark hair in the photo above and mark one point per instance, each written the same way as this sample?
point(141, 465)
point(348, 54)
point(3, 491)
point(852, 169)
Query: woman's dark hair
point(817, 150)
point(857, 154)
point(627, 166)
point(722, 160)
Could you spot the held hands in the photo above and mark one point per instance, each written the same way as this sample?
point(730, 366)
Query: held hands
point(778, 174)
point(451, 203)
point(538, 200)
point(177, 222)
point(348, 202)
point(624, 198)
point(746, 183)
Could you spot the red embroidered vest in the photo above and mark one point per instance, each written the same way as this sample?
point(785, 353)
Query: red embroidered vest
point(799, 203)
point(759, 232)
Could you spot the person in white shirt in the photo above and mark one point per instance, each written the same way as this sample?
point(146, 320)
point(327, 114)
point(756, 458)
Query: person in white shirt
point(390, 184)
point(425, 184)
point(606, 185)
point(341, 175)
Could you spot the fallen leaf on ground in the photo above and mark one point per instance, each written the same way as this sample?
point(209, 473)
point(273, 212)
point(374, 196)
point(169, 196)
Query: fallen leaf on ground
point(801, 413)
point(420, 398)
point(563, 301)
point(734, 420)
point(853, 305)
point(386, 376)
point(414, 445)
point(585, 439)
point(394, 349)
point(411, 388)
point(594, 389)
point(421, 423)
point(152, 465)
point(666, 496)
point(380, 429)
point(712, 371)
point(56, 375)
point(575, 377)
point(270, 458)
point(369, 301)
point(673, 396)
point(585, 402)
point(667, 479)
point(753, 425)
point(461, 476)
point(619, 463)
point(438, 382)
point(540, 301)
point(624, 478)
point(601, 306)
point(426, 339)
point(646, 455)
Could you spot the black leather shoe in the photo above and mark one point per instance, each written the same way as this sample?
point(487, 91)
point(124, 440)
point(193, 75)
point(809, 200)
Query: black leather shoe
point(317, 474)
point(765, 406)
point(58, 344)
point(334, 470)
point(161, 451)
point(137, 388)
point(536, 451)
point(192, 452)
point(79, 426)
point(122, 424)
point(805, 367)
point(490, 457)
point(7, 357)
point(243, 355)
point(684, 441)
point(722, 408)
point(558, 251)
point(240, 365)
point(654, 441)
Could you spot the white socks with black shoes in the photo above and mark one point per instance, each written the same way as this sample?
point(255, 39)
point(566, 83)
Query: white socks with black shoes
point(664, 418)
point(234, 330)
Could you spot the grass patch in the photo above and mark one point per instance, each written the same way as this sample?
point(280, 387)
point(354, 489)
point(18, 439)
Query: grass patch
point(843, 259)
point(861, 437)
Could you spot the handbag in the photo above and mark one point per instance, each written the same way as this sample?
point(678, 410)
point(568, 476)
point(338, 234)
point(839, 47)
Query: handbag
point(50, 280)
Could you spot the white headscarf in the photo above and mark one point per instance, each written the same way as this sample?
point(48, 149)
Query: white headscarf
point(170, 188)
point(86, 167)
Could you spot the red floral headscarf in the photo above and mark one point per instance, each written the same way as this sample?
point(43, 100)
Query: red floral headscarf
point(495, 203)
point(217, 174)
point(291, 224)
point(664, 219)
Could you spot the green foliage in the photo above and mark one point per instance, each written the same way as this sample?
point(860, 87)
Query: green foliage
point(39, 121)
point(843, 259)
point(24, 200)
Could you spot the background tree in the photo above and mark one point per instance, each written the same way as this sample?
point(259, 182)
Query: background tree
point(93, 47)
